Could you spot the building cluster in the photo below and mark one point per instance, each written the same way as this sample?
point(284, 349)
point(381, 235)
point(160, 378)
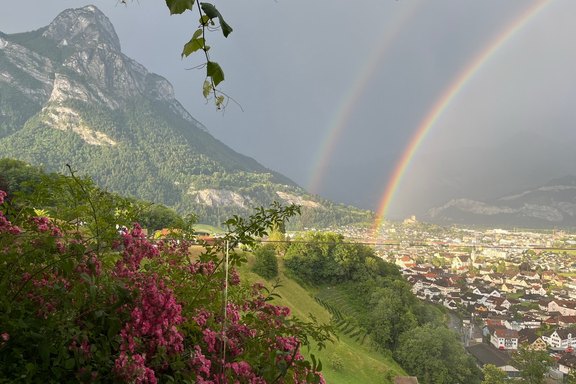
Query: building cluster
point(511, 288)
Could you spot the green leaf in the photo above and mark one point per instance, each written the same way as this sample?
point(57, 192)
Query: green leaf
point(220, 101)
point(114, 327)
point(70, 363)
point(206, 88)
point(204, 20)
point(179, 6)
point(192, 46)
point(211, 11)
point(214, 71)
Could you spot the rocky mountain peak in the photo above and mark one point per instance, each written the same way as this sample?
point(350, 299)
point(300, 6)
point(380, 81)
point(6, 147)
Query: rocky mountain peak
point(86, 26)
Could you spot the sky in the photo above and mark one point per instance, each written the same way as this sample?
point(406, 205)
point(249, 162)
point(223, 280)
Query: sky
point(390, 105)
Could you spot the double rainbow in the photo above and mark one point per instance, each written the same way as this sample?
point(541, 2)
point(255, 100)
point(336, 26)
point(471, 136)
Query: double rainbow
point(443, 102)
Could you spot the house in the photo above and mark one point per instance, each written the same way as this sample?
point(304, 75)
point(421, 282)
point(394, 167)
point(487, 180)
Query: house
point(486, 292)
point(561, 321)
point(461, 262)
point(503, 338)
point(536, 289)
point(452, 303)
point(561, 338)
point(485, 354)
point(531, 340)
point(566, 321)
point(530, 322)
point(470, 298)
point(405, 262)
point(564, 307)
point(567, 363)
point(508, 288)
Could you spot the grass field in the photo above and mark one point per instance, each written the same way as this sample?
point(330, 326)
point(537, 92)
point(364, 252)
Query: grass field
point(346, 361)
point(208, 228)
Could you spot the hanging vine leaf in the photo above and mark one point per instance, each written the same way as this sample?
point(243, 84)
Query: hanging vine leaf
point(206, 88)
point(214, 71)
point(196, 42)
point(179, 6)
point(211, 11)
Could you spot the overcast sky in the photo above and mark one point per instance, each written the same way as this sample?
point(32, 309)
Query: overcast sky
point(333, 91)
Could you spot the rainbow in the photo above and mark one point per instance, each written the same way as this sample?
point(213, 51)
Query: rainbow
point(444, 101)
point(360, 83)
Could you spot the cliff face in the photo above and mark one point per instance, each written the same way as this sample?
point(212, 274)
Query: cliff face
point(550, 205)
point(69, 95)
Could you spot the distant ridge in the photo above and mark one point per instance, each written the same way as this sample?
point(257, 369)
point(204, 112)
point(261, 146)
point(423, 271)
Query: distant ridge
point(551, 205)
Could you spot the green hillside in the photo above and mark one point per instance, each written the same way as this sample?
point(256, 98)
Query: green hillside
point(346, 361)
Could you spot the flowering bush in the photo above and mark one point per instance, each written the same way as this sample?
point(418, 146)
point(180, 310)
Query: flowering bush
point(82, 302)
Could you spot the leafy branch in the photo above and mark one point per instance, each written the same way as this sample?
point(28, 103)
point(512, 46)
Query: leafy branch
point(214, 73)
point(207, 15)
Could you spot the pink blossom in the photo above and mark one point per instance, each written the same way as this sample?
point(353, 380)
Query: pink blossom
point(200, 363)
point(133, 369)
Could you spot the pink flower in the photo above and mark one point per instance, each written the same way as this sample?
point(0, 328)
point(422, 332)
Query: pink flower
point(200, 363)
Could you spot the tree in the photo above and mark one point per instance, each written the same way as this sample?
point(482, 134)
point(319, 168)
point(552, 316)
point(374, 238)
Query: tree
point(435, 355)
point(156, 217)
point(266, 264)
point(390, 317)
point(493, 375)
point(532, 364)
point(278, 238)
point(570, 378)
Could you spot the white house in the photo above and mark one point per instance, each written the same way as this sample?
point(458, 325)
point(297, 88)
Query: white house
point(503, 338)
point(561, 339)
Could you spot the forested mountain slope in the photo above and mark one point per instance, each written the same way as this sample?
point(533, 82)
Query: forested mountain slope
point(68, 95)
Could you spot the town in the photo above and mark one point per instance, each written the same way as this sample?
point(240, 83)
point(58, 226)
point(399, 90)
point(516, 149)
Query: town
point(504, 288)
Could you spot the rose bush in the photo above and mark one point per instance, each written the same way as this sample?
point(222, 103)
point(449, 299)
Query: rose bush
point(83, 302)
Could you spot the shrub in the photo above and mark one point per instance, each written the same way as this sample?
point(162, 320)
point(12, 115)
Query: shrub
point(84, 303)
point(266, 264)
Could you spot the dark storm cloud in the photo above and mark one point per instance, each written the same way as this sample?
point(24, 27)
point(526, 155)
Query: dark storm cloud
point(291, 64)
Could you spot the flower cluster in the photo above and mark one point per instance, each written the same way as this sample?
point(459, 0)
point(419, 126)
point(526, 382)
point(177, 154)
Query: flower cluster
point(78, 309)
point(5, 225)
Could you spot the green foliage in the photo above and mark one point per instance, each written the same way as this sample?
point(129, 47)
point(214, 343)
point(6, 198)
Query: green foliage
point(179, 6)
point(386, 310)
point(83, 303)
point(208, 13)
point(532, 364)
point(570, 378)
point(324, 258)
point(266, 264)
point(337, 363)
point(155, 217)
point(391, 315)
point(493, 375)
point(212, 13)
point(162, 158)
point(436, 356)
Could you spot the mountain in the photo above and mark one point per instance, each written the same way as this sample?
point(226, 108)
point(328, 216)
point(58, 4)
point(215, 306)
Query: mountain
point(551, 205)
point(68, 95)
point(484, 171)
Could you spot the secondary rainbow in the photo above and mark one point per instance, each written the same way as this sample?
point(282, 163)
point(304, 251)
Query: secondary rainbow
point(360, 83)
point(442, 103)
